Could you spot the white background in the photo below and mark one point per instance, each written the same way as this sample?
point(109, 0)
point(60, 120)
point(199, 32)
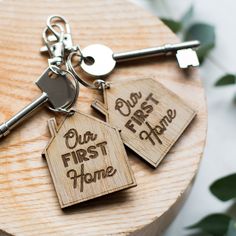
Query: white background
point(220, 153)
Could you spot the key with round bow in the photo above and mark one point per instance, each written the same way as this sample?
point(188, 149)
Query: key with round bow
point(100, 60)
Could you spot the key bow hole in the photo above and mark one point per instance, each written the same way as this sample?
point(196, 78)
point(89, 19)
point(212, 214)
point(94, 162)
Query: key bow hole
point(89, 60)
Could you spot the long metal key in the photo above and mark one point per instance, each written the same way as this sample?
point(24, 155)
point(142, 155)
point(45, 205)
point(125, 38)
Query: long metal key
point(99, 60)
point(58, 92)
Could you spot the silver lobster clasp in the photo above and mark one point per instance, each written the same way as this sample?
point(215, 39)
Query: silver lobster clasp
point(67, 38)
point(56, 47)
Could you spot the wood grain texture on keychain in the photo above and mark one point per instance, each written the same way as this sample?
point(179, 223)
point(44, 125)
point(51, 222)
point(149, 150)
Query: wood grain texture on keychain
point(150, 117)
point(86, 159)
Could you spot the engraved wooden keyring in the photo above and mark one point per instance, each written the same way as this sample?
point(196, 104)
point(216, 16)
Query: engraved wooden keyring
point(86, 159)
point(150, 117)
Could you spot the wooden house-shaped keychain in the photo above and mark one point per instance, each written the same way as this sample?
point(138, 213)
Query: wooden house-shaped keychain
point(86, 159)
point(150, 117)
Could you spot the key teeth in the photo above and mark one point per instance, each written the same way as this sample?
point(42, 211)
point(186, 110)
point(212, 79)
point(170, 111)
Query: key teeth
point(188, 65)
point(187, 58)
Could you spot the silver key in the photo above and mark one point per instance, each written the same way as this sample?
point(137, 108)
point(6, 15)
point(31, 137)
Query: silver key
point(57, 92)
point(100, 60)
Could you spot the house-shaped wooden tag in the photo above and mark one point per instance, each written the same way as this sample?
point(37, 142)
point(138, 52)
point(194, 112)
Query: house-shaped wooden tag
point(86, 159)
point(149, 117)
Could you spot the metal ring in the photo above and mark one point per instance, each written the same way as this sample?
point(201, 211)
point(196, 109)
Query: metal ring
point(71, 68)
point(70, 112)
point(57, 70)
point(93, 85)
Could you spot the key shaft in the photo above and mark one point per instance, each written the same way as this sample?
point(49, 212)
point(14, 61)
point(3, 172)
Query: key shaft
point(6, 127)
point(154, 51)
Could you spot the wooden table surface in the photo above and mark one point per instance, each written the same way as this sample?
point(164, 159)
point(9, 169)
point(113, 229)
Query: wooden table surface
point(29, 205)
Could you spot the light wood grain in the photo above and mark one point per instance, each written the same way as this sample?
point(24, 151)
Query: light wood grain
point(150, 117)
point(29, 204)
point(87, 159)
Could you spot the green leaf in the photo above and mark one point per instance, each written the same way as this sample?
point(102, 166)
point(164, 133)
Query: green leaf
point(232, 228)
point(199, 234)
point(224, 188)
point(203, 51)
point(205, 33)
point(227, 79)
point(187, 16)
point(215, 224)
point(175, 26)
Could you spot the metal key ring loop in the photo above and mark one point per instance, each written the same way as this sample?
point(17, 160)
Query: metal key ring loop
point(65, 109)
point(95, 85)
point(69, 112)
point(57, 70)
point(72, 70)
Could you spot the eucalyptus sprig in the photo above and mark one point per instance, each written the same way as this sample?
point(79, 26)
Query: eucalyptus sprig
point(219, 224)
point(228, 79)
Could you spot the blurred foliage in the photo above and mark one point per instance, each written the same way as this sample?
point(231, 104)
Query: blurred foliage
point(228, 79)
point(231, 229)
point(203, 32)
point(175, 26)
point(215, 224)
point(219, 224)
point(225, 189)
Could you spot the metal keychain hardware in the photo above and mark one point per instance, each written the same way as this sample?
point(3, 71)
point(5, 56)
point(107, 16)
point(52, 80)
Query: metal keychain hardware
point(102, 59)
point(97, 84)
point(59, 93)
point(55, 37)
point(55, 48)
point(99, 60)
